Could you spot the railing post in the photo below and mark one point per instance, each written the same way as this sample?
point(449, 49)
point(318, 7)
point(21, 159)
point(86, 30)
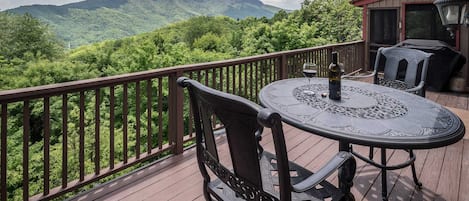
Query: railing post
point(176, 119)
point(328, 56)
point(3, 153)
point(283, 70)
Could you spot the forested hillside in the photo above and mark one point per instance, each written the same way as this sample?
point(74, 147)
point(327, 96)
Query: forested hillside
point(30, 55)
point(97, 20)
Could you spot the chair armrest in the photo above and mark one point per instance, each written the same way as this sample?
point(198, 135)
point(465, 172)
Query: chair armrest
point(316, 178)
point(358, 76)
point(417, 88)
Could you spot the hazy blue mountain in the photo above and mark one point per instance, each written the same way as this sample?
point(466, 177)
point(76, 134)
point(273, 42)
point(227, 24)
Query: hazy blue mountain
point(96, 20)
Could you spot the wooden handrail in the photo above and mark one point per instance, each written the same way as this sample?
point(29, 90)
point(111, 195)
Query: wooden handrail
point(14, 95)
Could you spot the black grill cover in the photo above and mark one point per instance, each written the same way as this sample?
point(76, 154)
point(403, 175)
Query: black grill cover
point(445, 63)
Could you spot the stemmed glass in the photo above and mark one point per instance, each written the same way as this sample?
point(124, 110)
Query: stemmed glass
point(309, 70)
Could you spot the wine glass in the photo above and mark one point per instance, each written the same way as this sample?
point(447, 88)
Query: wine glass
point(309, 71)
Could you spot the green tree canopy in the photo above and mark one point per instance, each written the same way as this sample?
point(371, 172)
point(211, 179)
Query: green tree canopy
point(21, 35)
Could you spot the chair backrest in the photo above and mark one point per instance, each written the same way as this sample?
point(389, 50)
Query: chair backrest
point(396, 57)
point(239, 117)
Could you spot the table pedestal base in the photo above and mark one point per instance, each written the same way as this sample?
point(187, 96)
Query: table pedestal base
point(384, 167)
point(347, 173)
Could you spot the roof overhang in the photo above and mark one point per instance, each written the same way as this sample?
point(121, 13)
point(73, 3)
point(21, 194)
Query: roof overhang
point(363, 2)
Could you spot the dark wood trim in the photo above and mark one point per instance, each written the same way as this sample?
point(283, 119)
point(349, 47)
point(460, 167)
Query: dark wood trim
point(363, 2)
point(365, 22)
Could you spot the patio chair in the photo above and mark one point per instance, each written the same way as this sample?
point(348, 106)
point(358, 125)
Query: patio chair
point(254, 174)
point(404, 69)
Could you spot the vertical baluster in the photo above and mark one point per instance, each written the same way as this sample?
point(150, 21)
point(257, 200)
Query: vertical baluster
point(3, 152)
point(206, 78)
point(112, 117)
point(137, 119)
point(125, 122)
point(265, 71)
point(97, 119)
point(160, 112)
point(26, 132)
point(81, 153)
point(316, 62)
point(199, 76)
point(149, 147)
point(220, 78)
point(240, 79)
point(261, 75)
point(257, 80)
point(190, 114)
point(233, 79)
point(214, 79)
point(46, 145)
point(276, 63)
point(245, 80)
point(271, 71)
point(64, 141)
point(227, 75)
point(321, 64)
point(251, 81)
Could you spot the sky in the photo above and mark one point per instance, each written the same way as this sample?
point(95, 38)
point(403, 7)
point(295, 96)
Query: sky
point(7, 4)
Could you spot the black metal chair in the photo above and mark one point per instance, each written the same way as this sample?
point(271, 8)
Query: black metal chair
point(255, 174)
point(404, 69)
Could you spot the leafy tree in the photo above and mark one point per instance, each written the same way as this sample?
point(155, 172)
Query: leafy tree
point(336, 20)
point(23, 34)
point(279, 16)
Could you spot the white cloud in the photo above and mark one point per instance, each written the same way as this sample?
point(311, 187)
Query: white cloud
point(286, 4)
point(8, 4)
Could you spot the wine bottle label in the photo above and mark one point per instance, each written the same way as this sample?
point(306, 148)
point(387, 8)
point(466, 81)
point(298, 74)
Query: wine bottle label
point(334, 78)
point(334, 89)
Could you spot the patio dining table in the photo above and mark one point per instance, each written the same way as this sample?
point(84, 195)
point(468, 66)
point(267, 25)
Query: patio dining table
point(368, 114)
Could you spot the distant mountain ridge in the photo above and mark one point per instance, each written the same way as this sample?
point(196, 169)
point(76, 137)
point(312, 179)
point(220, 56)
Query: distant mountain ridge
point(96, 20)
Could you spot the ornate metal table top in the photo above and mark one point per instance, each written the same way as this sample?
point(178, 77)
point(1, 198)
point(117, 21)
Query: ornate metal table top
point(368, 114)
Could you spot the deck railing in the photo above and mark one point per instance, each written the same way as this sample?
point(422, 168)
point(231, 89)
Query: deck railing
point(77, 133)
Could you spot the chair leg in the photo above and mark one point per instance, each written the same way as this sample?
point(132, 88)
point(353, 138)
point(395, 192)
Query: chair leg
point(384, 185)
point(371, 153)
point(414, 173)
point(206, 193)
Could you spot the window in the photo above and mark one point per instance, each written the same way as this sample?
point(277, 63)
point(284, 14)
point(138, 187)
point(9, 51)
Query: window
point(383, 27)
point(422, 21)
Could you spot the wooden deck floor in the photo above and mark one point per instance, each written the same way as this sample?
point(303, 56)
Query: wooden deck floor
point(444, 172)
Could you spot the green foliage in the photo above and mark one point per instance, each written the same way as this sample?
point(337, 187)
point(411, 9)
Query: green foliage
point(336, 20)
point(93, 21)
point(24, 36)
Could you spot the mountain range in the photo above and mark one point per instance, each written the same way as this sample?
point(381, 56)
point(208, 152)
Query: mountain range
point(97, 20)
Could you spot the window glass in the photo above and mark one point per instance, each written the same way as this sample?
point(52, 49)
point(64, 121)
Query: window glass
point(422, 21)
point(383, 27)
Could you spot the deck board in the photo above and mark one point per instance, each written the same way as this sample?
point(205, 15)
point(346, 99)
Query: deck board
point(450, 172)
point(464, 185)
point(444, 171)
point(430, 175)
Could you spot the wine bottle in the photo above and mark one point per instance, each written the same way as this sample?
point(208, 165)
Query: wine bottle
point(334, 78)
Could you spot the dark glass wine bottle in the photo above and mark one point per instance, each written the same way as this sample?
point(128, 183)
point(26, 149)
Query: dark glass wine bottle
point(334, 78)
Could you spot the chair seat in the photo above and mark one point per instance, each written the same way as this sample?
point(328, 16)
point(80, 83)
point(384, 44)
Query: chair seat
point(324, 190)
point(396, 84)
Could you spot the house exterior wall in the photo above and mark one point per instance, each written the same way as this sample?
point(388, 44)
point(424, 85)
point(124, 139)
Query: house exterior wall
point(398, 4)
